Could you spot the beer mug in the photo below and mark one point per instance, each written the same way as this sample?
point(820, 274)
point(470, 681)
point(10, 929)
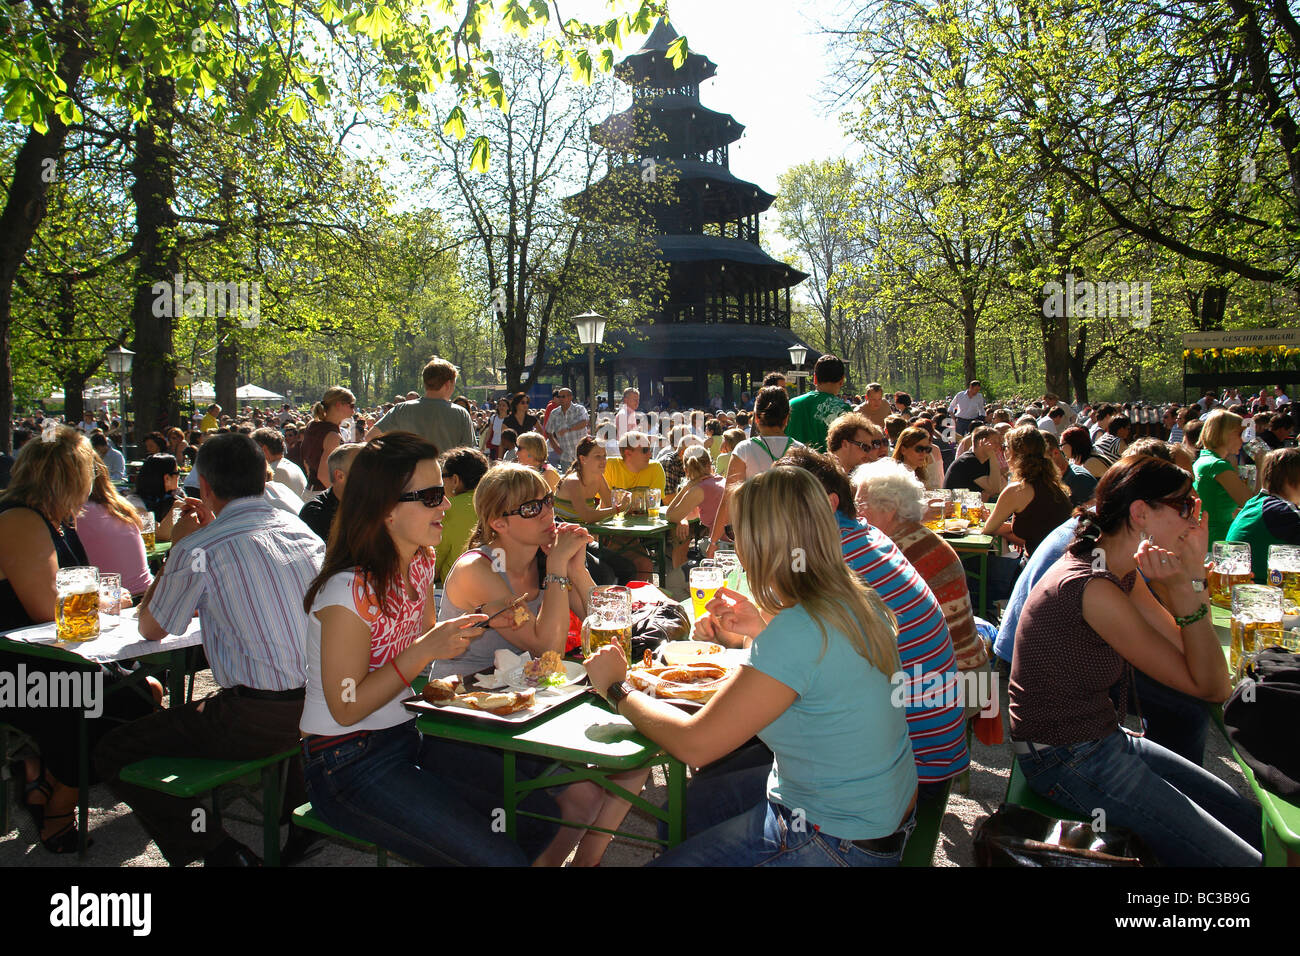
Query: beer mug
point(1231, 567)
point(1284, 571)
point(937, 502)
point(729, 562)
point(973, 508)
point(621, 498)
point(1256, 623)
point(704, 583)
point(76, 607)
point(640, 501)
point(654, 498)
point(148, 527)
point(110, 601)
point(609, 619)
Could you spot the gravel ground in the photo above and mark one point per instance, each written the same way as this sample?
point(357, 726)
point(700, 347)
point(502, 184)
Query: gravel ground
point(120, 841)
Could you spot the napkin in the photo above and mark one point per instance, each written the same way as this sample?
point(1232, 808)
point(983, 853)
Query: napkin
point(504, 662)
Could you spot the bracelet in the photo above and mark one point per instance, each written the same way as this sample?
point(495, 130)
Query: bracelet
point(401, 675)
point(1192, 618)
point(558, 579)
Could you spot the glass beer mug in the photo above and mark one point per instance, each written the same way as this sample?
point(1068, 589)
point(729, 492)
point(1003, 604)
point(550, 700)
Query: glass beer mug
point(609, 619)
point(76, 607)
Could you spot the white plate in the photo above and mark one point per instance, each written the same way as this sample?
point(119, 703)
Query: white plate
point(575, 673)
point(676, 653)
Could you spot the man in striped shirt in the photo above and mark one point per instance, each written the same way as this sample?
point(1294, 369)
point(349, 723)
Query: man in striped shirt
point(935, 711)
point(244, 566)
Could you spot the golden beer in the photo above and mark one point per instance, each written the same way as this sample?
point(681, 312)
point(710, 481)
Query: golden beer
point(1248, 639)
point(700, 598)
point(150, 541)
point(600, 636)
point(76, 614)
point(1221, 584)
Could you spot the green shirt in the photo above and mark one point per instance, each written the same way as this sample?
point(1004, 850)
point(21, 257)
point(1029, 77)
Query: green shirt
point(1264, 520)
point(1215, 499)
point(457, 526)
point(841, 750)
point(811, 416)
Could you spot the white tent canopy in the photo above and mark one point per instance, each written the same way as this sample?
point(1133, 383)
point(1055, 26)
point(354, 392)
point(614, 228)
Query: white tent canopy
point(253, 393)
point(203, 392)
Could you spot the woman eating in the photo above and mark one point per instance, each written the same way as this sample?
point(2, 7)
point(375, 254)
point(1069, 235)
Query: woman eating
point(1219, 486)
point(518, 549)
point(1035, 499)
point(842, 786)
point(372, 631)
point(1080, 636)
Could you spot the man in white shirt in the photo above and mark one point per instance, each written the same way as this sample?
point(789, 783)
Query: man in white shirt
point(1280, 397)
point(565, 426)
point(111, 457)
point(627, 419)
point(286, 472)
point(968, 407)
point(1052, 421)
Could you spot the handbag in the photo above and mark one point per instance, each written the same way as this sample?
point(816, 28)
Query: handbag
point(1018, 836)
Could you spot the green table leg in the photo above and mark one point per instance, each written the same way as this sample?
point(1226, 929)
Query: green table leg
point(984, 584)
point(83, 790)
point(272, 780)
point(676, 802)
point(509, 806)
point(177, 667)
point(663, 558)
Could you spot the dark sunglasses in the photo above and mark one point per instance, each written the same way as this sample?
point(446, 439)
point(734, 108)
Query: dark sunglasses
point(430, 497)
point(1185, 504)
point(866, 446)
point(531, 509)
point(923, 449)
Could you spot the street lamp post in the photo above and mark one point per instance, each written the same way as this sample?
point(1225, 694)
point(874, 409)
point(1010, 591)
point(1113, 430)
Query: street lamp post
point(591, 332)
point(119, 363)
point(797, 354)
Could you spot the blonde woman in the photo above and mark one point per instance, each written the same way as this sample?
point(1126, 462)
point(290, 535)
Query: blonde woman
point(110, 530)
point(532, 454)
point(323, 435)
point(1220, 488)
point(583, 495)
point(701, 493)
point(842, 787)
point(518, 549)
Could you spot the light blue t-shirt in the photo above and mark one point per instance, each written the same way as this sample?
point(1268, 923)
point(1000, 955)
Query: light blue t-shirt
point(842, 751)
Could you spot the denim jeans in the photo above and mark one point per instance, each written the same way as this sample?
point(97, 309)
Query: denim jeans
point(770, 834)
point(1172, 719)
point(1186, 815)
point(381, 789)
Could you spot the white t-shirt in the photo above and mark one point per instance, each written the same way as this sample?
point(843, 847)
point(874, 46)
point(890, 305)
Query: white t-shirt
point(762, 451)
point(291, 476)
point(389, 636)
point(282, 497)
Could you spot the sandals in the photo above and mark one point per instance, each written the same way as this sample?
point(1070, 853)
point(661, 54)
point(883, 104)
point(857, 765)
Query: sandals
point(65, 840)
point(40, 785)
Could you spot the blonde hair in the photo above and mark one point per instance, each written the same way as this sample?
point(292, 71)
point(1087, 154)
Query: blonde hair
point(535, 445)
point(782, 516)
point(504, 488)
point(336, 394)
point(697, 464)
point(53, 477)
point(104, 492)
point(1219, 425)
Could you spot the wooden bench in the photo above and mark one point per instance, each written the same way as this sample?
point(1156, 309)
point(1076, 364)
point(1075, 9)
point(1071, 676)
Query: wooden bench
point(192, 777)
point(306, 818)
point(1022, 795)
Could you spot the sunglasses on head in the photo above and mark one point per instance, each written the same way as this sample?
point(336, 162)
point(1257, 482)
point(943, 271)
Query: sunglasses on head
point(1185, 504)
point(531, 509)
point(430, 497)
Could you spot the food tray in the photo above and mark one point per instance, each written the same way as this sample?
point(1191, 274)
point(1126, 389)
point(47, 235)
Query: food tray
point(545, 701)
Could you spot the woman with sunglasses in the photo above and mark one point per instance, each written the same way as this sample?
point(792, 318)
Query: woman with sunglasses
point(1081, 635)
point(915, 450)
point(518, 549)
point(323, 436)
point(372, 631)
point(520, 420)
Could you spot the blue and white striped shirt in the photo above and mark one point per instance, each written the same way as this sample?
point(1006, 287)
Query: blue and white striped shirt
point(246, 574)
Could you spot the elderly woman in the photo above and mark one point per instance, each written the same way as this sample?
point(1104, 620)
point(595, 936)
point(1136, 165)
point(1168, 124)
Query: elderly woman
point(1220, 488)
point(915, 450)
point(889, 496)
point(1273, 515)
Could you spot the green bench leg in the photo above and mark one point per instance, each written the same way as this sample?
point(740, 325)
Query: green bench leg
point(919, 851)
point(4, 769)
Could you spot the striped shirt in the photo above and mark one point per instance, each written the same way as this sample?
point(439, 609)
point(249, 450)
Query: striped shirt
point(245, 573)
point(935, 711)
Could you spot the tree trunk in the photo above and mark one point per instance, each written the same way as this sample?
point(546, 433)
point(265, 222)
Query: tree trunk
point(33, 170)
point(225, 377)
point(153, 373)
point(968, 320)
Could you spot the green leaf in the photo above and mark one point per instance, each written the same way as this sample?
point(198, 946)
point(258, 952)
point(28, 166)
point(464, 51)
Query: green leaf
point(677, 52)
point(455, 124)
point(480, 158)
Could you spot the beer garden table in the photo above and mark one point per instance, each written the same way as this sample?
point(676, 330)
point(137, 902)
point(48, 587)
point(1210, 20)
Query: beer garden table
point(585, 738)
point(653, 529)
point(978, 545)
point(123, 643)
point(1281, 819)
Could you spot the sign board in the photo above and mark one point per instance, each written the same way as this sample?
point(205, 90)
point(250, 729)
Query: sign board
point(1242, 338)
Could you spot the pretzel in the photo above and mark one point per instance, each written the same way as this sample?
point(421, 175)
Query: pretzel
point(501, 704)
point(685, 682)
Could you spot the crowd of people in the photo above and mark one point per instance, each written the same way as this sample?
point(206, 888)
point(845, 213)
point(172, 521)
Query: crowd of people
point(324, 538)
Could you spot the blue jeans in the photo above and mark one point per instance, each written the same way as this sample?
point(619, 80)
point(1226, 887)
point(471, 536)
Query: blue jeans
point(1186, 815)
point(1174, 720)
point(381, 788)
point(769, 834)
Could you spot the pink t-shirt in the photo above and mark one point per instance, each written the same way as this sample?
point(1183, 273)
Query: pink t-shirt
point(712, 488)
point(115, 546)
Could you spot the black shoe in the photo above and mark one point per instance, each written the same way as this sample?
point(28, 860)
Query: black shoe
point(302, 845)
point(231, 853)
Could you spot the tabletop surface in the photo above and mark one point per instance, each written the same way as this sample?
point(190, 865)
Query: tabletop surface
point(122, 643)
point(636, 525)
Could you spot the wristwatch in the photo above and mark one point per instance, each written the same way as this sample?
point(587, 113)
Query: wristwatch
point(617, 692)
point(1198, 585)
